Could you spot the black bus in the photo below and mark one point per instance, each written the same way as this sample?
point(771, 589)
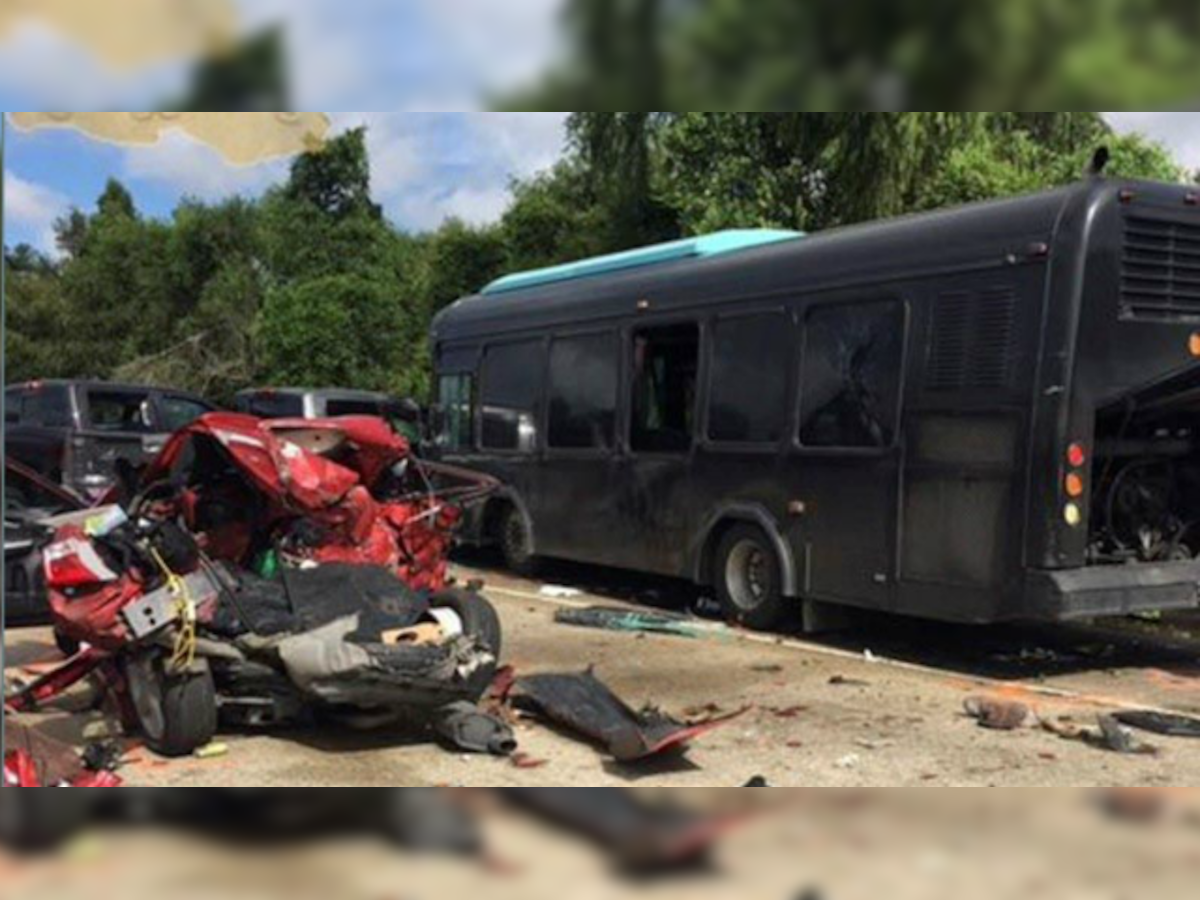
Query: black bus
point(980, 414)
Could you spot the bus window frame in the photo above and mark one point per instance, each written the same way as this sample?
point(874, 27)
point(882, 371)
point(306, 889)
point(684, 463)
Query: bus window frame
point(625, 400)
point(867, 298)
point(791, 391)
point(540, 416)
point(615, 448)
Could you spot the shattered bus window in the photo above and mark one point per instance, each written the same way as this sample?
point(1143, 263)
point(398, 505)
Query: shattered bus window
point(851, 386)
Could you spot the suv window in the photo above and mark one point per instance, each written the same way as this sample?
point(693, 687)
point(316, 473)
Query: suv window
point(335, 408)
point(180, 412)
point(850, 392)
point(14, 405)
point(270, 405)
point(123, 411)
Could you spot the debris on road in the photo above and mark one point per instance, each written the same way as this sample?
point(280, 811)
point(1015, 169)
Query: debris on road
point(641, 833)
point(617, 619)
point(1176, 726)
point(558, 592)
point(997, 715)
point(586, 706)
point(843, 681)
point(1109, 735)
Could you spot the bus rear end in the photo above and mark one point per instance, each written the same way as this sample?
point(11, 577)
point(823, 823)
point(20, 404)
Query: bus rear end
point(1116, 477)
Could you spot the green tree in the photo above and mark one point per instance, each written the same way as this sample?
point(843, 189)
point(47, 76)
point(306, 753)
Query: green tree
point(461, 260)
point(554, 218)
point(342, 330)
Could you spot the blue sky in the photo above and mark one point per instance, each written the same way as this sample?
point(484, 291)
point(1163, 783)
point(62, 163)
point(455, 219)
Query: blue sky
point(429, 62)
point(426, 167)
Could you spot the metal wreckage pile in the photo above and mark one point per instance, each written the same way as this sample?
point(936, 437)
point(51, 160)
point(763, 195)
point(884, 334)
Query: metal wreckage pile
point(264, 572)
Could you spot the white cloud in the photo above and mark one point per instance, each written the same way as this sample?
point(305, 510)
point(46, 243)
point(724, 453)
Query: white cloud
point(47, 70)
point(526, 142)
point(197, 170)
point(1179, 131)
point(506, 43)
point(31, 209)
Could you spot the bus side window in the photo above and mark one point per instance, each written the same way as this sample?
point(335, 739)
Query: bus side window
point(455, 401)
point(666, 362)
point(850, 390)
point(510, 395)
point(583, 392)
point(749, 380)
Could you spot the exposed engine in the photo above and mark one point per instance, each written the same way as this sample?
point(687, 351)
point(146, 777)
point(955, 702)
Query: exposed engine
point(1146, 503)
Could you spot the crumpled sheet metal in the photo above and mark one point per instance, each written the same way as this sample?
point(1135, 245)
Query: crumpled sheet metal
point(585, 705)
point(326, 665)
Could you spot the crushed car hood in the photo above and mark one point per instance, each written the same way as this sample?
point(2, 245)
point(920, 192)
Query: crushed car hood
point(284, 458)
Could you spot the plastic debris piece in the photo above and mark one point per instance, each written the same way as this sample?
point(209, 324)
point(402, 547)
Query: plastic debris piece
point(607, 618)
point(586, 706)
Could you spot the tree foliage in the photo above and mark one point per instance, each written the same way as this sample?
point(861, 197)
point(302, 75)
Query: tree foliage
point(310, 285)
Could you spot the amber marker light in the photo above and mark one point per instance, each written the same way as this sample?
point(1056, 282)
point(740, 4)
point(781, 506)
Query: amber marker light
point(1194, 345)
point(1074, 486)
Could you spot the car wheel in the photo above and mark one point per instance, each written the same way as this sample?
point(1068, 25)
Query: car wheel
point(516, 544)
point(176, 714)
point(748, 579)
point(66, 644)
point(473, 615)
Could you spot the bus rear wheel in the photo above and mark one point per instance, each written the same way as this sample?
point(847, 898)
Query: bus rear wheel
point(516, 543)
point(747, 575)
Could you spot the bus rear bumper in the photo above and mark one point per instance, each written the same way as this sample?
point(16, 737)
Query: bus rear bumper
point(1113, 590)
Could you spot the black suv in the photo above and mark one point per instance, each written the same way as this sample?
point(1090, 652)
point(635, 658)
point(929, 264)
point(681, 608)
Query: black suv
point(76, 432)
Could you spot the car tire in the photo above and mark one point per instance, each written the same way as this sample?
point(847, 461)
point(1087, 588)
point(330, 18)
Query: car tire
point(176, 714)
point(480, 621)
point(516, 544)
point(66, 644)
point(748, 576)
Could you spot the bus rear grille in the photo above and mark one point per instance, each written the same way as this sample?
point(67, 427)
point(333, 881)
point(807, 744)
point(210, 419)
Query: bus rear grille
point(1160, 269)
point(972, 341)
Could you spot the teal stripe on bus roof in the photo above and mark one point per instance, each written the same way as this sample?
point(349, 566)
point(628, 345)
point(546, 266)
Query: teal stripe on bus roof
point(689, 248)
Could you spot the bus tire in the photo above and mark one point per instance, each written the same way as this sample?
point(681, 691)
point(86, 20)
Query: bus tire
point(748, 576)
point(516, 543)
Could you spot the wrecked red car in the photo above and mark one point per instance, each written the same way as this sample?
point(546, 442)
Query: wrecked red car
point(264, 570)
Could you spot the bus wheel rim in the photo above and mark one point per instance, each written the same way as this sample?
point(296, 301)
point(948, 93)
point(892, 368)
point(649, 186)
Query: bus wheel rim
point(746, 575)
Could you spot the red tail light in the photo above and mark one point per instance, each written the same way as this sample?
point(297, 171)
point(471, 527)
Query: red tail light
point(1077, 456)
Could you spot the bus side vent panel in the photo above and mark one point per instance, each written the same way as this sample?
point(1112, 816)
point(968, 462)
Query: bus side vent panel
point(973, 340)
point(1160, 269)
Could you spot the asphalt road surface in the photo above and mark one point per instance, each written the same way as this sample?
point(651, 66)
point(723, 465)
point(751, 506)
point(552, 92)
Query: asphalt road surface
point(879, 705)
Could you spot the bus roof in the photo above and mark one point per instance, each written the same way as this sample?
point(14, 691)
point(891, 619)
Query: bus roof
point(887, 251)
point(718, 244)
